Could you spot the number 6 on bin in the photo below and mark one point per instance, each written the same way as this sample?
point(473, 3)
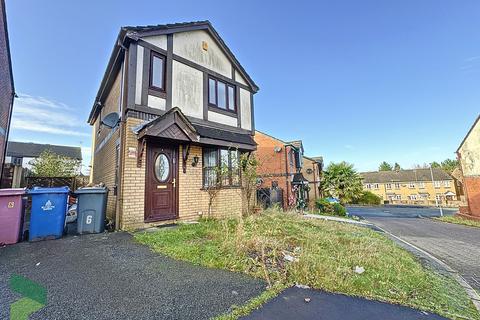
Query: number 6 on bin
point(89, 220)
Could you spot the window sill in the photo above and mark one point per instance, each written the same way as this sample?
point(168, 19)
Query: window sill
point(223, 187)
point(222, 111)
point(157, 93)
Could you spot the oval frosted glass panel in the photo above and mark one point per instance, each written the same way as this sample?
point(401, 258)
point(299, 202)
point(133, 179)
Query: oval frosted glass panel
point(162, 167)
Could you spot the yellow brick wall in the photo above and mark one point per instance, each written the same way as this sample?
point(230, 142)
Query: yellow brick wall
point(405, 191)
point(192, 200)
point(103, 164)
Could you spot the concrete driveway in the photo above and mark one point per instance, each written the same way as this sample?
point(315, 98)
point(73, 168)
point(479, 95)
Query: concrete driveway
point(109, 276)
point(453, 244)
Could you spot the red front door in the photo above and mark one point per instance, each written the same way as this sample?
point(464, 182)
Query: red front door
point(161, 183)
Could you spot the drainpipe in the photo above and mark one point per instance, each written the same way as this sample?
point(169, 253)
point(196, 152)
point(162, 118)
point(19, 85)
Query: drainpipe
point(122, 124)
point(314, 179)
point(286, 177)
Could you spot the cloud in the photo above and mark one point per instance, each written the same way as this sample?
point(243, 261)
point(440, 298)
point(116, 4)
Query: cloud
point(349, 147)
point(39, 114)
point(471, 64)
point(470, 59)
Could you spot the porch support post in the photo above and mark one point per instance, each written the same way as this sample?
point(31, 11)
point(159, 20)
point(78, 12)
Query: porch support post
point(185, 153)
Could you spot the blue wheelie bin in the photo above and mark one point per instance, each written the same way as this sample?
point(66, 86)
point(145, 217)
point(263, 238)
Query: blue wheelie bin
point(49, 209)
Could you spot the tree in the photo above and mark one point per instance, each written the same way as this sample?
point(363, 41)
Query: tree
point(435, 165)
point(50, 164)
point(342, 181)
point(449, 165)
point(385, 166)
point(249, 164)
point(397, 167)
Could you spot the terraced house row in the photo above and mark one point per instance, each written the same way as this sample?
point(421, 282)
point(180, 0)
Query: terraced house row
point(416, 186)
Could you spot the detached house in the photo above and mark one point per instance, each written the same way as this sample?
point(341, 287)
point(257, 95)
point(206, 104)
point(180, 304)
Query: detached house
point(173, 106)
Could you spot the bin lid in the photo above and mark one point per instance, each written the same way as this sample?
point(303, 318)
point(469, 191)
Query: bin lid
point(12, 192)
point(91, 190)
point(40, 190)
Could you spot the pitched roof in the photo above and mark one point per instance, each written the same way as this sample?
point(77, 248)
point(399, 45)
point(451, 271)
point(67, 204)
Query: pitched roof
point(296, 143)
point(33, 150)
point(191, 26)
point(193, 132)
point(404, 176)
point(128, 34)
point(469, 131)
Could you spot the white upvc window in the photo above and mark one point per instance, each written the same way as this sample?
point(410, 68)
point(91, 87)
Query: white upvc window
point(446, 184)
point(376, 186)
point(421, 185)
point(398, 197)
point(439, 196)
point(388, 186)
point(397, 186)
point(437, 184)
point(413, 197)
point(368, 186)
point(411, 185)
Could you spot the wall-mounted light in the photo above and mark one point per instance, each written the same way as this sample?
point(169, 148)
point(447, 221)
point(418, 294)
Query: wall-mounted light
point(195, 160)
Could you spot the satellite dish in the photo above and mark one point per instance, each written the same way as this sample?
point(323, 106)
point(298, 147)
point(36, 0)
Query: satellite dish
point(111, 120)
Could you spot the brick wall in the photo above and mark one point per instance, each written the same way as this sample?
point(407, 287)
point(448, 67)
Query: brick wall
point(106, 140)
point(192, 200)
point(273, 166)
point(6, 89)
point(472, 188)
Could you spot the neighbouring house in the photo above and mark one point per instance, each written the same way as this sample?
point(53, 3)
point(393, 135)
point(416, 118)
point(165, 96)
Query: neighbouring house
point(7, 89)
point(457, 176)
point(280, 172)
point(414, 186)
point(468, 155)
point(312, 170)
point(184, 106)
point(20, 155)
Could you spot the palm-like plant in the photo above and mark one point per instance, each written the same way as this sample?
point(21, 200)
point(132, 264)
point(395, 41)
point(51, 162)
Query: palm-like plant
point(341, 180)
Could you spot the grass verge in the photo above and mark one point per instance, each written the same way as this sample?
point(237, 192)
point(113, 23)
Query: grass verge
point(285, 249)
point(459, 220)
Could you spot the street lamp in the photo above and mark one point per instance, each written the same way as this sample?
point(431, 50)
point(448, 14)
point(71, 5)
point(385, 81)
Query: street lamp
point(436, 198)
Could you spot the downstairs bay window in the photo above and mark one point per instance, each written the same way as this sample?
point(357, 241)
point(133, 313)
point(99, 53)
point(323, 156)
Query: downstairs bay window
point(221, 167)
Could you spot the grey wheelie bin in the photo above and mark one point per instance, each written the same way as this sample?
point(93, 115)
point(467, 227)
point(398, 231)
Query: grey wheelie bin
point(91, 208)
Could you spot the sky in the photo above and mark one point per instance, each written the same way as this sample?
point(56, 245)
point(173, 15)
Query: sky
point(357, 81)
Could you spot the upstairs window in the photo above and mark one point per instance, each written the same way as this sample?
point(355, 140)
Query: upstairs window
point(157, 72)
point(221, 95)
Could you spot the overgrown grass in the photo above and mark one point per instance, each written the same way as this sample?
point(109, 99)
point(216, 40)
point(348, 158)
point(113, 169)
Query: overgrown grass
point(324, 256)
point(459, 220)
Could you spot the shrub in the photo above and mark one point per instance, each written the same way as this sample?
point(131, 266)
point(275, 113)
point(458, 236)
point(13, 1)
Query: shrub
point(326, 207)
point(339, 210)
point(368, 198)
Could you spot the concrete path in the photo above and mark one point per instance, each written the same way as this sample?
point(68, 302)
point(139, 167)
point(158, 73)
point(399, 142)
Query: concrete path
point(108, 276)
point(291, 304)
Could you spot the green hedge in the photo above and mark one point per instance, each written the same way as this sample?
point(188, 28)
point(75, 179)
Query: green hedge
point(326, 207)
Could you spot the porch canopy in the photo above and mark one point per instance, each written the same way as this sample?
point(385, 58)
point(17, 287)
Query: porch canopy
point(174, 126)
